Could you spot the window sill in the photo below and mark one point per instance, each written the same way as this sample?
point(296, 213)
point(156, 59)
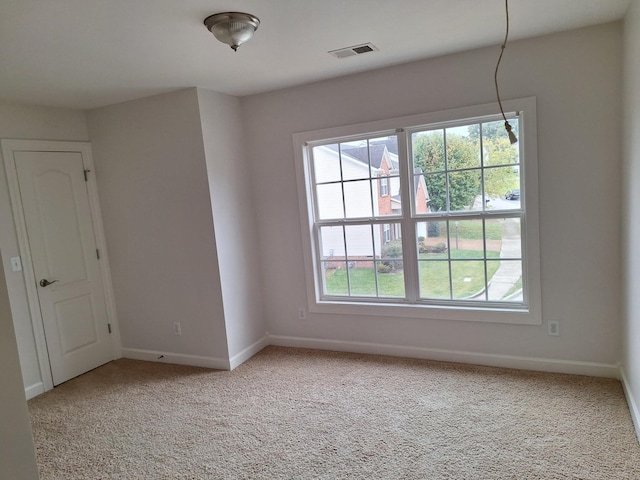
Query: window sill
point(517, 315)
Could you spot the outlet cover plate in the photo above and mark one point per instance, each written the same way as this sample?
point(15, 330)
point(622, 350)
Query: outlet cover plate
point(553, 328)
point(177, 328)
point(16, 264)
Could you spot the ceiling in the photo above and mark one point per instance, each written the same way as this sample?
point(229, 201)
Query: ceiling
point(90, 53)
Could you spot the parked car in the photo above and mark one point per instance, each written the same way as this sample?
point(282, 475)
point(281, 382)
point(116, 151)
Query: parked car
point(512, 195)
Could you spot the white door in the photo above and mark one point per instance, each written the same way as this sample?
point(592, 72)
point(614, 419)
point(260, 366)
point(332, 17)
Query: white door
point(65, 260)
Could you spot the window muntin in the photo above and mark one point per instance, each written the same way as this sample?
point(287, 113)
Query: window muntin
point(351, 178)
point(357, 261)
point(477, 259)
point(454, 303)
point(466, 163)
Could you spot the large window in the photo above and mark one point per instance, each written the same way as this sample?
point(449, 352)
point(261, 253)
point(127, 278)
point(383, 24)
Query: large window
point(431, 213)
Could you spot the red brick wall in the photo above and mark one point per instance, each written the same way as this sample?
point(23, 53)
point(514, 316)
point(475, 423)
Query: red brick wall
point(384, 202)
point(421, 197)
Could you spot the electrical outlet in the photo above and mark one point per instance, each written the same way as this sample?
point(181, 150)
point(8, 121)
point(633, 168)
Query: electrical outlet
point(16, 264)
point(302, 313)
point(553, 328)
point(177, 329)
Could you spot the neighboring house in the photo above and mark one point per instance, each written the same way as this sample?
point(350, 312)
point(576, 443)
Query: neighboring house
point(378, 161)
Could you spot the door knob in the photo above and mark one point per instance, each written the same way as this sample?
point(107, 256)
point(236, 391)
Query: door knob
point(45, 283)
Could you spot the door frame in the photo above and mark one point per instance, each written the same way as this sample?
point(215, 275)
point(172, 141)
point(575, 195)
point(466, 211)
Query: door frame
point(84, 148)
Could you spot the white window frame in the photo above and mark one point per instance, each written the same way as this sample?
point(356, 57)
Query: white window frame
point(529, 313)
point(384, 186)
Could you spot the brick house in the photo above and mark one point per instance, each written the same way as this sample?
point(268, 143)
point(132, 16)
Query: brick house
point(377, 161)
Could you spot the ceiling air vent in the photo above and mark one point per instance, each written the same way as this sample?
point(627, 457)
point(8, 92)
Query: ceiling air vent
point(354, 50)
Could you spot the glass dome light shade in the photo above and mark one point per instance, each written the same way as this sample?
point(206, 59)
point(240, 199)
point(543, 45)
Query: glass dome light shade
point(233, 28)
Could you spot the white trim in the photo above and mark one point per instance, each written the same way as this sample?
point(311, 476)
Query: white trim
point(248, 352)
point(84, 148)
point(8, 147)
point(631, 402)
point(101, 245)
point(177, 358)
point(34, 390)
point(456, 356)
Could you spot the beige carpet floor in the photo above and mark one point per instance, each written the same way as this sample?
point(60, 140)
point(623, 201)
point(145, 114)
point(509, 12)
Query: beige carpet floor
point(305, 414)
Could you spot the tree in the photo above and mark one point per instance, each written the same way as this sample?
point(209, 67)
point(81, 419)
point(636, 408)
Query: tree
point(499, 151)
point(464, 186)
point(492, 130)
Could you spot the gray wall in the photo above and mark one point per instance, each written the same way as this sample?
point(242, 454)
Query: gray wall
point(631, 205)
point(17, 454)
point(576, 77)
point(233, 205)
point(155, 199)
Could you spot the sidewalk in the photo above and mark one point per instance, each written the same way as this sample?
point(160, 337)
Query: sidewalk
point(508, 273)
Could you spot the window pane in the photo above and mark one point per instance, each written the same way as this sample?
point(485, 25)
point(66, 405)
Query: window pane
point(494, 235)
point(355, 160)
point(390, 281)
point(502, 184)
point(466, 239)
point(385, 234)
point(335, 278)
point(392, 252)
point(496, 145)
point(421, 193)
point(332, 243)
point(464, 190)
point(432, 239)
point(362, 279)
point(463, 150)
point(437, 191)
point(384, 154)
point(326, 164)
point(390, 265)
point(359, 243)
point(357, 197)
point(428, 151)
point(386, 193)
point(511, 238)
point(329, 201)
point(505, 280)
point(468, 280)
point(434, 279)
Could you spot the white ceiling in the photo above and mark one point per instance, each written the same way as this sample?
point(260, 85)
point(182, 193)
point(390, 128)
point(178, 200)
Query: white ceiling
point(90, 53)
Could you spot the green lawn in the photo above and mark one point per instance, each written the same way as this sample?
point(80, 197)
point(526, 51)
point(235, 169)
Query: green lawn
point(468, 277)
point(472, 229)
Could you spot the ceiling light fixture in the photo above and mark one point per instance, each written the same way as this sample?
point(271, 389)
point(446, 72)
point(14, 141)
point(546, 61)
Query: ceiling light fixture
point(512, 136)
point(232, 28)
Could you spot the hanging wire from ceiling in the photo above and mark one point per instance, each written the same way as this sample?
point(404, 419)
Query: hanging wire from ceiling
point(512, 136)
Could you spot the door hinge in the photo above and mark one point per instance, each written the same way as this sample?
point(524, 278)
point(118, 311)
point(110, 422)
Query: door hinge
point(98, 253)
point(109, 327)
point(86, 175)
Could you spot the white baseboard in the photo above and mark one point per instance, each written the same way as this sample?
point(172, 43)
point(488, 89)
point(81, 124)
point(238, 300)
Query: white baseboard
point(456, 356)
point(34, 390)
point(248, 352)
point(178, 358)
point(633, 406)
point(492, 360)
